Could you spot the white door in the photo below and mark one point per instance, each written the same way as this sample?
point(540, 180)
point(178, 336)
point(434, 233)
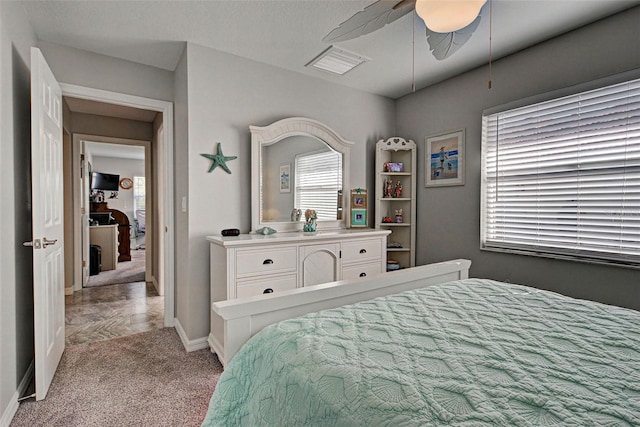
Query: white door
point(47, 217)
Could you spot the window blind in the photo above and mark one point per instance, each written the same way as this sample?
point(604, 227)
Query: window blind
point(139, 194)
point(318, 179)
point(562, 177)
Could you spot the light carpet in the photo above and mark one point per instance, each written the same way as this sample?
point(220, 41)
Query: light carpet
point(125, 272)
point(147, 379)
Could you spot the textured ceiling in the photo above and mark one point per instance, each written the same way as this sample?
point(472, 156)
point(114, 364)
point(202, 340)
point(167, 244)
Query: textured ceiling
point(288, 34)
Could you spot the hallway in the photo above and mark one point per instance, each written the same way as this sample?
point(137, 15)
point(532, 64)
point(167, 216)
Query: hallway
point(106, 312)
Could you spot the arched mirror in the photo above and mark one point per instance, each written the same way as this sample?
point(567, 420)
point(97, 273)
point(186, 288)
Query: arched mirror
point(298, 164)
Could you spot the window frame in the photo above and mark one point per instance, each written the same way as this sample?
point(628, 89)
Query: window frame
point(632, 261)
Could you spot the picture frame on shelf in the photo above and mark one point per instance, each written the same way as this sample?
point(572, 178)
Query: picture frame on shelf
point(358, 207)
point(358, 217)
point(285, 178)
point(444, 159)
point(358, 198)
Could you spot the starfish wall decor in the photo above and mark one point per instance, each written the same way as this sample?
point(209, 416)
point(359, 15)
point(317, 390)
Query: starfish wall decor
point(219, 159)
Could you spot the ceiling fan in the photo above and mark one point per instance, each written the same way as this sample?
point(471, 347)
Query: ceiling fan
point(450, 23)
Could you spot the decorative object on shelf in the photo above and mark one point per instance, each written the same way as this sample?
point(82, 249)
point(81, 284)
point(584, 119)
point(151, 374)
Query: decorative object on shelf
point(358, 207)
point(394, 245)
point(387, 219)
point(310, 217)
point(394, 167)
point(358, 198)
point(285, 178)
point(126, 183)
point(296, 214)
point(358, 217)
point(397, 190)
point(96, 196)
point(113, 195)
point(219, 159)
point(444, 161)
point(399, 216)
point(265, 231)
point(388, 188)
point(393, 265)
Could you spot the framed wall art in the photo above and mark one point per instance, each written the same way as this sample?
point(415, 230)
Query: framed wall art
point(285, 178)
point(444, 159)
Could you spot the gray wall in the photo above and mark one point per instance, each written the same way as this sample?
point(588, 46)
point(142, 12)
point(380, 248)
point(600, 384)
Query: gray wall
point(93, 70)
point(16, 295)
point(92, 124)
point(226, 94)
point(449, 218)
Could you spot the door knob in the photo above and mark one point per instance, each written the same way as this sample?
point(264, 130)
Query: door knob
point(46, 242)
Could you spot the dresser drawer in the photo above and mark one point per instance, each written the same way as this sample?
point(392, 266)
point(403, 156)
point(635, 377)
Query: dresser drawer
point(361, 250)
point(361, 270)
point(252, 288)
point(268, 260)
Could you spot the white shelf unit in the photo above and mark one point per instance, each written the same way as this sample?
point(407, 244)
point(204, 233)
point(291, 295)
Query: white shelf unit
point(397, 150)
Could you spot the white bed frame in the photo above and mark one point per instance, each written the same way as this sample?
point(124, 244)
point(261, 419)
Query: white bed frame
point(244, 317)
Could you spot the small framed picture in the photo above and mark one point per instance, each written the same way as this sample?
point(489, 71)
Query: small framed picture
point(444, 161)
point(358, 217)
point(394, 167)
point(358, 198)
point(285, 178)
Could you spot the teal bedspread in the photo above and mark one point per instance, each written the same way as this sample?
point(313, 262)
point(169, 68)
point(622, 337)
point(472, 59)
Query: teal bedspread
point(466, 353)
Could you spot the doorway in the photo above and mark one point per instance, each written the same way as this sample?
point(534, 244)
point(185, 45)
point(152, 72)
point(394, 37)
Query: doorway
point(149, 232)
point(118, 294)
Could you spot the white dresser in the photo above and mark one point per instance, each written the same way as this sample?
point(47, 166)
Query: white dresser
point(106, 236)
point(252, 264)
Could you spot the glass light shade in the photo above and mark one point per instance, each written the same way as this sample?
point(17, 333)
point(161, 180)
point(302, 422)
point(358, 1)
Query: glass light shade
point(446, 16)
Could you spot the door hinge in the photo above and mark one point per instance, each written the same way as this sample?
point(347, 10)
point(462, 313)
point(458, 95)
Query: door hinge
point(340, 254)
point(84, 263)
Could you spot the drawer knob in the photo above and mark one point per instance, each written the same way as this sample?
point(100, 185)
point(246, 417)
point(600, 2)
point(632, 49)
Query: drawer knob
point(267, 261)
point(363, 274)
point(363, 251)
point(268, 291)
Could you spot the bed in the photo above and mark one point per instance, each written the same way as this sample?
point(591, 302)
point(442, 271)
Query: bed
point(467, 352)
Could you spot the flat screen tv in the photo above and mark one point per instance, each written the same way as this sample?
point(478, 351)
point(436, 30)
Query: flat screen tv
point(105, 181)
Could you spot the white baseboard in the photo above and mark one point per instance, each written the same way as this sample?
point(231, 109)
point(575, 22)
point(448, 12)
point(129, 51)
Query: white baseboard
point(12, 408)
point(190, 345)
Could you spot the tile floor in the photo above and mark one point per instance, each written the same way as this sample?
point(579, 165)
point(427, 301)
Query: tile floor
point(112, 311)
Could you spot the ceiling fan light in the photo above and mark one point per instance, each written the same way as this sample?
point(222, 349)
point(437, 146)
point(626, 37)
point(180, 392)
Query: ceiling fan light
point(446, 16)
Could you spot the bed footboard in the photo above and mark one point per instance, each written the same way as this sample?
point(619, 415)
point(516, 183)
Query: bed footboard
point(244, 317)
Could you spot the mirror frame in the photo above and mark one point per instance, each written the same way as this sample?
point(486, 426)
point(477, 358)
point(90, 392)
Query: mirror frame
point(295, 126)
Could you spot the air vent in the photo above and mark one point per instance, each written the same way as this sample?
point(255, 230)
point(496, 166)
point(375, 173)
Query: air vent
point(337, 60)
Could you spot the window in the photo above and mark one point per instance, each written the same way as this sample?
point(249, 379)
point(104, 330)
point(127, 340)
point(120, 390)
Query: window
point(562, 177)
point(317, 181)
point(138, 194)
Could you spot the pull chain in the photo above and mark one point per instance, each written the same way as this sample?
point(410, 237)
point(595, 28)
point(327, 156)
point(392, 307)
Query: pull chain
point(413, 52)
point(490, 36)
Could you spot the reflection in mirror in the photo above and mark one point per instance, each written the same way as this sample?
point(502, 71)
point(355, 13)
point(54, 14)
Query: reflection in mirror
point(298, 164)
point(300, 173)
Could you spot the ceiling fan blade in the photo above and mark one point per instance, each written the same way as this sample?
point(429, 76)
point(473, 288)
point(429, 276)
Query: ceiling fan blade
point(372, 18)
point(443, 45)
